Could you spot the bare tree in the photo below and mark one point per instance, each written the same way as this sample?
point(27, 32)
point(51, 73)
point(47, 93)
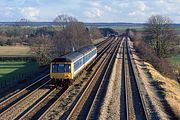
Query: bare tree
point(159, 33)
point(73, 36)
point(41, 48)
point(64, 19)
point(95, 33)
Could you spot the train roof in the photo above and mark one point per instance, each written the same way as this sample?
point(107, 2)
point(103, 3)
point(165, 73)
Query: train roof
point(86, 49)
point(69, 57)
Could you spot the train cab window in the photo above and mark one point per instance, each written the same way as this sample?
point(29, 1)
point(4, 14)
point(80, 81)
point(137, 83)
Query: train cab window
point(67, 68)
point(54, 68)
point(61, 68)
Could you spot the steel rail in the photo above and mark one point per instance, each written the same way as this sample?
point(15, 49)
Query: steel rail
point(103, 79)
point(17, 95)
point(142, 101)
point(11, 107)
point(88, 88)
point(97, 58)
point(26, 115)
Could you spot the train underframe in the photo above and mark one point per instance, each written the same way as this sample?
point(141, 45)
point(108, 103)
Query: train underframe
point(61, 82)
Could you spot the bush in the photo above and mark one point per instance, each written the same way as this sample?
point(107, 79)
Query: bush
point(2, 42)
point(10, 42)
point(148, 54)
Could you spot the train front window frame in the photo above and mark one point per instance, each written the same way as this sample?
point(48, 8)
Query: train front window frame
point(54, 68)
point(67, 68)
point(61, 68)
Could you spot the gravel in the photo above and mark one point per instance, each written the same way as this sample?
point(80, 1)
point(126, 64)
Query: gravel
point(23, 105)
point(152, 99)
point(111, 106)
point(63, 106)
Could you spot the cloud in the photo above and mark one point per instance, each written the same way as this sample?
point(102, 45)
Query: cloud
point(108, 8)
point(8, 11)
point(30, 13)
point(89, 10)
point(139, 8)
point(142, 6)
point(94, 12)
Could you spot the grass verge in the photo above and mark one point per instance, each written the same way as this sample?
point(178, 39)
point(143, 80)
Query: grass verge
point(170, 88)
point(11, 70)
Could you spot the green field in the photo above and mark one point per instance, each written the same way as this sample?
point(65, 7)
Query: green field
point(175, 60)
point(15, 70)
point(138, 28)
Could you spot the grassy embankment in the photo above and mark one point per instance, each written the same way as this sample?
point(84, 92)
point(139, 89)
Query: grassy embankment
point(13, 70)
point(170, 88)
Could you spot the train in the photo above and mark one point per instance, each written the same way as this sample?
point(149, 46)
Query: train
point(64, 69)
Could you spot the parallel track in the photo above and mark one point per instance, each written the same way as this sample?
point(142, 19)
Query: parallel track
point(4, 105)
point(95, 106)
point(26, 102)
point(101, 52)
point(15, 99)
point(95, 82)
point(102, 42)
point(46, 103)
point(134, 101)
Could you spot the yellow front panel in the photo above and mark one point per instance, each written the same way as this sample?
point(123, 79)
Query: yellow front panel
point(61, 75)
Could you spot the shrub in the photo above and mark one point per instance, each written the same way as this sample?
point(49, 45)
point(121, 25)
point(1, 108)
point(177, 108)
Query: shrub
point(148, 54)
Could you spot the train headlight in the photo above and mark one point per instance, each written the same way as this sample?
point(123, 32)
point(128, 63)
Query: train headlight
point(67, 75)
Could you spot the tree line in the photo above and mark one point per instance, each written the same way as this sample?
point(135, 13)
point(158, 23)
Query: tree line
point(47, 43)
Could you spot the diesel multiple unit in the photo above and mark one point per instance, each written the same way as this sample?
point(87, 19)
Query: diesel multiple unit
point(65, 68)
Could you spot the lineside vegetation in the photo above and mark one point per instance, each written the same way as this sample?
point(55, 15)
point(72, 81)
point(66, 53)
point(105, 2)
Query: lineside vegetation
point(155, 43)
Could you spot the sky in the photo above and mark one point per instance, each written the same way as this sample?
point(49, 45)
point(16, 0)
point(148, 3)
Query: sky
point(89, 10)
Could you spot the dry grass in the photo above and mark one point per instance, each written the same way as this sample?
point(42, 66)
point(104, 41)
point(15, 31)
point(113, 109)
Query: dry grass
point(95, 41)
point(171, 88)
point(15, 51)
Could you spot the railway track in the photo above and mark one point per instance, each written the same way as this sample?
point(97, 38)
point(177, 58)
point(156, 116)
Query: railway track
point(26, 102)
point(42, 106)
point(82, 108)
point(134, 101)
point(93, 112)
point(16, 103)
point(17, 96)
point(100, 54)
point(102, 42)
point(5, 104)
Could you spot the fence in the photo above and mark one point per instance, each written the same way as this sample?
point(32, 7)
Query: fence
point(16, 58)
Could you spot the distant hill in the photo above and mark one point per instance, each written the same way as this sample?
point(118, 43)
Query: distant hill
point(39, 24)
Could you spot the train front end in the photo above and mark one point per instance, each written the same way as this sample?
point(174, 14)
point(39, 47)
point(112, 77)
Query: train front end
point(61, 73)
